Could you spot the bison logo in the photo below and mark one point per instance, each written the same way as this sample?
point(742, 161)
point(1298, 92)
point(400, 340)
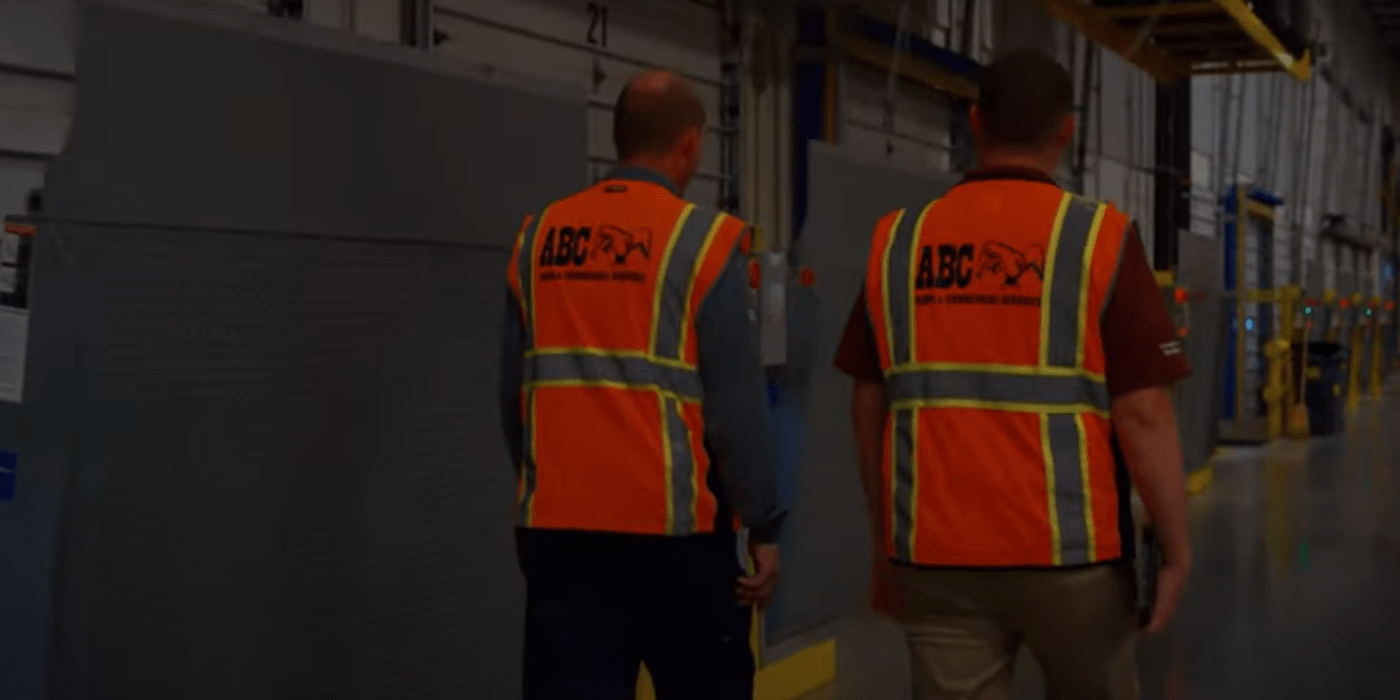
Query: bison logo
point(617, 245)
point(1010, 264)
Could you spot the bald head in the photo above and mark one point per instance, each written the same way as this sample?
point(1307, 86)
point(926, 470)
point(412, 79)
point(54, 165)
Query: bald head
point(654, 113)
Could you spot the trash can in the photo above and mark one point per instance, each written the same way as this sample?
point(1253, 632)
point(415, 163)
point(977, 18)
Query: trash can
point(1325, 390)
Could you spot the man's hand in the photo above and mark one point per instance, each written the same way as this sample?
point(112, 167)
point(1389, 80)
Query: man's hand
point(886, 596)
point(1171, 580)
point(757, 588)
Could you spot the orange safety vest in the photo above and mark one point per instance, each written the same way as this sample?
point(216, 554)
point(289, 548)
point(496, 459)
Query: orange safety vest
point(609, 284)
point(986, 307)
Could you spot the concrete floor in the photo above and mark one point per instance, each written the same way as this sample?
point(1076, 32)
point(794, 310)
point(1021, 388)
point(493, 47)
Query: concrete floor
point(1295, 591)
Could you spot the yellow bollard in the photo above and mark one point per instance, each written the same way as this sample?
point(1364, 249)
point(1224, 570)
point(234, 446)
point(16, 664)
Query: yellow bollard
point(1274, 390)
point(1354, 350)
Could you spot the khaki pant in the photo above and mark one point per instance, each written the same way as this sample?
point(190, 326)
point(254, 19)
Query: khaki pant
point(965, 629)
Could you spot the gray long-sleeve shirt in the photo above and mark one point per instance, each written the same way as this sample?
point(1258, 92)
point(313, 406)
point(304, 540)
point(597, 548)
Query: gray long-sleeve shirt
point(738, 429)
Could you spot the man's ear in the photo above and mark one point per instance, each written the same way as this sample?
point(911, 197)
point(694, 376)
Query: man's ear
point(1065, 135)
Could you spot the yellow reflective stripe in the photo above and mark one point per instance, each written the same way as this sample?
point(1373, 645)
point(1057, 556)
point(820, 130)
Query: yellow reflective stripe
point(638, 354)
point(668, 463)
point(991, 368)
point(885, 287)
point(1088, 492)
point(1008, 406)
point(913, 275)
point(661, 274)
point(529, 266)
point(1046, 285)
point(1051, 507)
point(1084, 278)
point(694, 273)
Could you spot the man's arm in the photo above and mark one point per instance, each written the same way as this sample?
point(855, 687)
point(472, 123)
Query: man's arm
point(512, 379)
point(1143, 359)
point(736, 402)
point(856, 356)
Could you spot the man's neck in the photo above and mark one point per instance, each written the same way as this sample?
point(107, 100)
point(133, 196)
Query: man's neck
point(658, 166)
point(1040, 163)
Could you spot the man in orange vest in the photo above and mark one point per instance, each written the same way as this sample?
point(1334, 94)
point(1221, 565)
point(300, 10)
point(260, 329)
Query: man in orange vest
point(635, 410)
point(1012, 359)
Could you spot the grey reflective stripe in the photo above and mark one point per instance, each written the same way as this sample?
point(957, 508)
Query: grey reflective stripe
point(903, 498)
point(525, 271)
point(898, 294)
point(683, 250)
point(1062, 302)
point(626, 370)
point(680, 463)
point(1065, 488)
point(1033, 391)
point(527, 470)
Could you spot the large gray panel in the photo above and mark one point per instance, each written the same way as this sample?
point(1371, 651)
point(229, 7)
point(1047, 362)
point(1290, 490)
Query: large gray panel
point(1198, 398)
point(293, 483)
point(828, 538)
point(260, 453)
point(226, 119)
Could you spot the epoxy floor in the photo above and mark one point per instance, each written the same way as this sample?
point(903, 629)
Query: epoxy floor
point(1295, 591)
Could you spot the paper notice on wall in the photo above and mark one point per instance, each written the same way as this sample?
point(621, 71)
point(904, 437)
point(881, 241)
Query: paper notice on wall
point(16, 255)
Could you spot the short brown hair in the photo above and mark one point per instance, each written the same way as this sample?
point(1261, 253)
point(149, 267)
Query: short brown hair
point(1024, 96)
point(652, 113)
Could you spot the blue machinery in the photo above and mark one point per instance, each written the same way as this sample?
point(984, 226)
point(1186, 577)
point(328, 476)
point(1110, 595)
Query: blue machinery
point(1248, 222)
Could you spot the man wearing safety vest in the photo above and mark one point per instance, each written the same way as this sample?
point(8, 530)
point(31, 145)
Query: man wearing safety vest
point(1012, 359)
point(635, 410)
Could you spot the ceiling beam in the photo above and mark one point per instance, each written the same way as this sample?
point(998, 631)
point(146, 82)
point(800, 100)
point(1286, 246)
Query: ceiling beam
point(1167, 10)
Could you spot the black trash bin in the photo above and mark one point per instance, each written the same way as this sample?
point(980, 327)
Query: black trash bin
point(1325, 391)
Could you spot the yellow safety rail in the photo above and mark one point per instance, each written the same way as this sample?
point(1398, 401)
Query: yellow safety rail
point(1279, 389)
point(1334, 305)
point(1374, 320)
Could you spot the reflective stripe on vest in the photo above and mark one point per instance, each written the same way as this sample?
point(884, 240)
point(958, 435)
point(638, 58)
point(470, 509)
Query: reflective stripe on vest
point(662, 369)
point(1057, 388)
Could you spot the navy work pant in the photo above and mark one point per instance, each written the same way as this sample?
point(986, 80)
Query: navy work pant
point(599, 604)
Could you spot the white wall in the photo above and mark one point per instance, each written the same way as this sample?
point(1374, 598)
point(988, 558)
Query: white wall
point(915, 132)
point(1120, 140)
point(36, 94)
point(576, 43)
point(1340, 173)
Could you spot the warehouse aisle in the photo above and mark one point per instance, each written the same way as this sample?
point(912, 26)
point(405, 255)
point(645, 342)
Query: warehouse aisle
point(1295, 592)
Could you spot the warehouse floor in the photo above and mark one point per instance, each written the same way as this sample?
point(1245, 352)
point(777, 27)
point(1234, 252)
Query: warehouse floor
point(1295, 591)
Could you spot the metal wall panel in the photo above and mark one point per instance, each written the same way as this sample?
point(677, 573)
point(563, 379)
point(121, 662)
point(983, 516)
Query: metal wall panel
point(275, 467)
point(294, 483)
point(827, 543)
point(285, 123)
